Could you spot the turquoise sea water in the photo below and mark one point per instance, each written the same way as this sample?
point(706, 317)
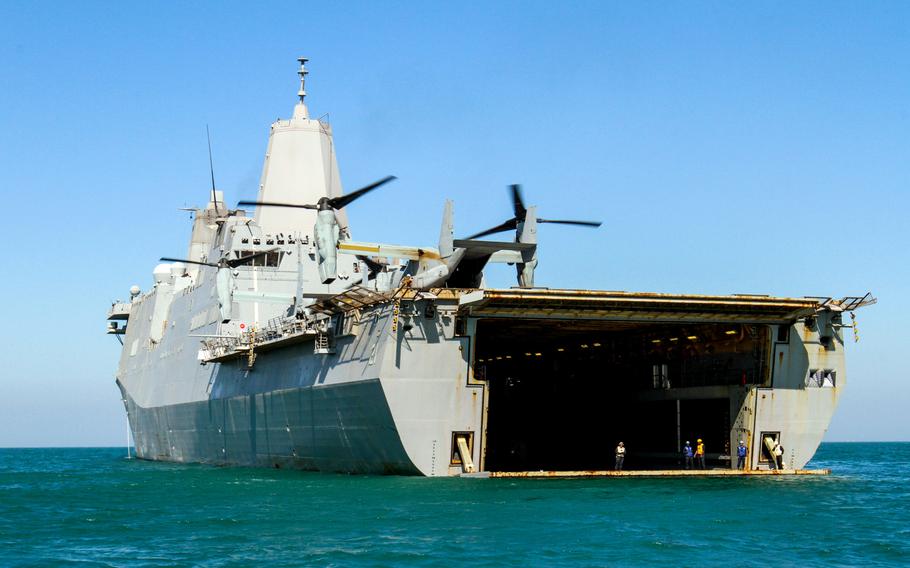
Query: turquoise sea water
point(92, 507)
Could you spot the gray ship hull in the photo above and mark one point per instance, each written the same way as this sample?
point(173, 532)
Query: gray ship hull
point(395, 394)
point(337, 428)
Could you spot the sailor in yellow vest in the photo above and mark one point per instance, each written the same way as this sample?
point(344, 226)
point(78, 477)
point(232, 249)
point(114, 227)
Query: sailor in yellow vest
point(700, 455)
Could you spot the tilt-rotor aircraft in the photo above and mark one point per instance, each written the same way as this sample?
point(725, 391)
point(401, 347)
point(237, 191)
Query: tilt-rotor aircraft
point(279, 341)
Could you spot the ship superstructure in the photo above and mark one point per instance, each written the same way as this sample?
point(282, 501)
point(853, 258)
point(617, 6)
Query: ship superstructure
point(279, 341)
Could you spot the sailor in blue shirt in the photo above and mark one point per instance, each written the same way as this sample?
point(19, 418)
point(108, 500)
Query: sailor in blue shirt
point(688, 453)
point(741, 455)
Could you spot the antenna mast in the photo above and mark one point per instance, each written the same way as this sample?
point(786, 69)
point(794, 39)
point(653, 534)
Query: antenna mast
point(211, 168)
point(300, 111)
point(302, 72)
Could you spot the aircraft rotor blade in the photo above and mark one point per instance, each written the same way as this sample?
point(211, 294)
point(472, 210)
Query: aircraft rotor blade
point(334, 203)
point(373, 266)
point(185, 261)
point(518, 204)
point(339, 202)
point(277, 204)
point(234, 262)
point(581, 223)
point(509, 225)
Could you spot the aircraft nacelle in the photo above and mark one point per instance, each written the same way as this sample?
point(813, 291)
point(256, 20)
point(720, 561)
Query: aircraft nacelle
point(223, 285)
point(527, 233)
point(326, 233)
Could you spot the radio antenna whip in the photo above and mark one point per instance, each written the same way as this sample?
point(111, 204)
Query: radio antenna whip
point(211, 168)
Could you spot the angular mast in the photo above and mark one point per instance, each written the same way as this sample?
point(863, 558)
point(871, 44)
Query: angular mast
point(300, 167)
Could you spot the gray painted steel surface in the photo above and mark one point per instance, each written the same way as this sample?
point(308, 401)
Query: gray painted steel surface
point(344, 428)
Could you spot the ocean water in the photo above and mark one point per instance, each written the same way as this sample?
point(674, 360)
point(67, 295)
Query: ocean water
point(93, 507)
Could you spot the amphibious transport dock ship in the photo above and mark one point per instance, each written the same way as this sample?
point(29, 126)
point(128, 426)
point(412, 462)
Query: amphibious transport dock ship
point(279, 341)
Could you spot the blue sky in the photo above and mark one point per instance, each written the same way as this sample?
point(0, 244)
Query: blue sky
point(759, 149)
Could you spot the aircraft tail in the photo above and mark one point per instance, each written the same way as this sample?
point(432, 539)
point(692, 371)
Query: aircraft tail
point(447, 231)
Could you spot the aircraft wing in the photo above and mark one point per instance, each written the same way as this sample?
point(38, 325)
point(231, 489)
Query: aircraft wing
point(485, 249)
point(477, 254)
point(393, 251)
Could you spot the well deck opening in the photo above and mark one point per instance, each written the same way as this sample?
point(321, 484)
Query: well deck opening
point(562, 394)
